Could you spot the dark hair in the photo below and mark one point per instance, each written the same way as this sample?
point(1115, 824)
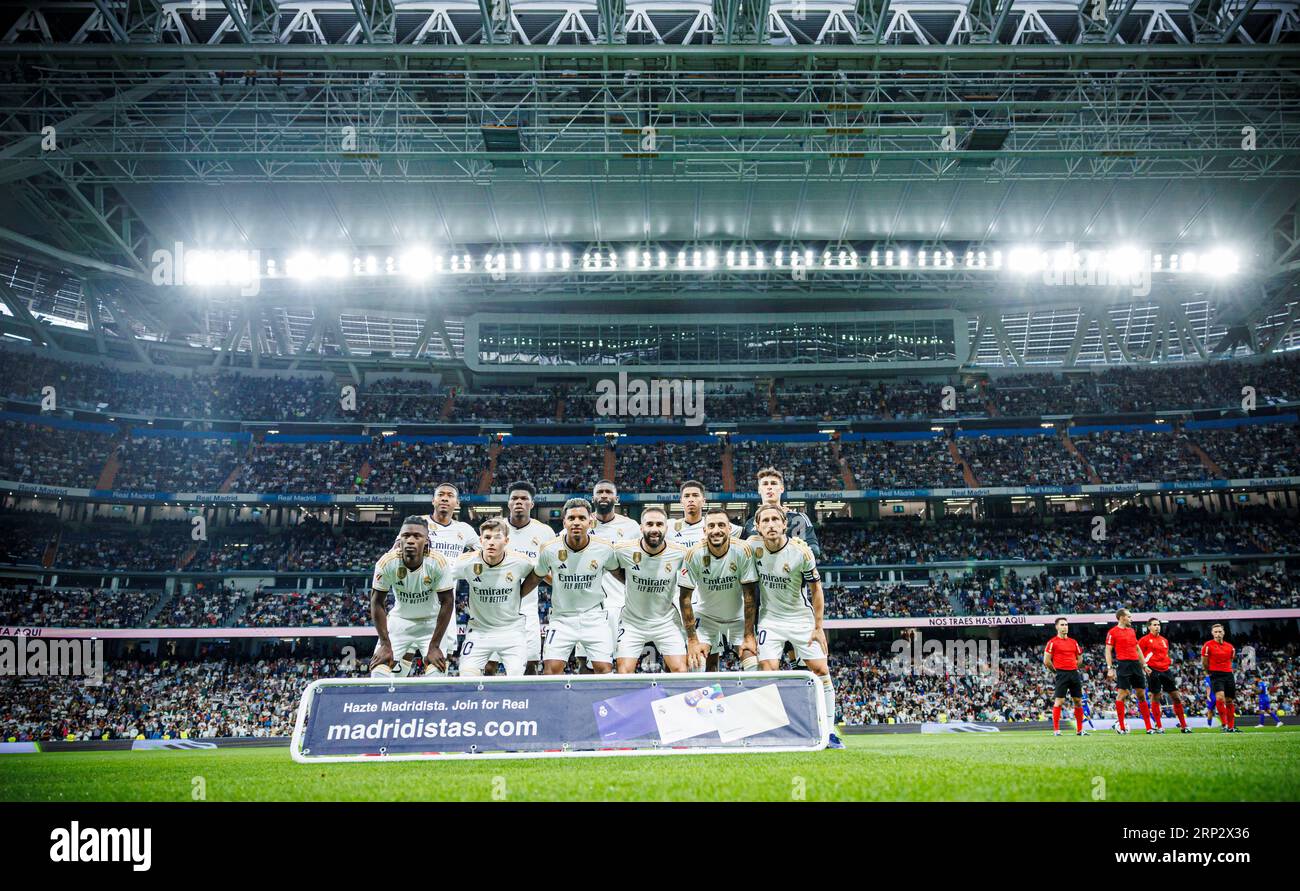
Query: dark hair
point(604, 482)
point(416, 520)
point(1121, 612)
point(445, 485)
point(524, 485)
point(1061, 619)
point(719, 509)
point(574, 503)
point(654, 509)
point(1155, 619)
point(692, 484)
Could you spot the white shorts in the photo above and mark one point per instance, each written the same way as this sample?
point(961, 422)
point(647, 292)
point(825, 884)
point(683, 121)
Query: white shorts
point(589, 630)
point(533, 638)
point(774, 633)
point(712, 633)
point(666, 636)
point(407, 635)
point(504, 645)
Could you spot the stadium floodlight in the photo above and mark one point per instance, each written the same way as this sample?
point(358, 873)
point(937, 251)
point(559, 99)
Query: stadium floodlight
point(780, 258)
point(517, 261)
point(902, 257)
point(920, 258)
point(1024, 260)
point(1189, 261)
point(808, 257)
point(534, 261)
point(336, 265)
point(302, 266)
point(710, 258)
point(550, 259)
point(631, 258)
point(889, 258)
point(564, 259)
point(1220, 262)
point(760, 261)
point(417, 263)
point(875, 258)
point(731, 259)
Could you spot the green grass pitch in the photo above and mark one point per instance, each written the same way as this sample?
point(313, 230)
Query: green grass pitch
point(1255, 765)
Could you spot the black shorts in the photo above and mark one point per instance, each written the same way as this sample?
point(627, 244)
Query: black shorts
point(1129, 675)
point(1162, 682)
point(1223, 682)
point(1068, 683)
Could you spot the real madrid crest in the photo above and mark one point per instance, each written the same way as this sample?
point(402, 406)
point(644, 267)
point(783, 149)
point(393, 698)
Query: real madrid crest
point(478, 568)
point(785, 567)
point(564, 555)
point(401, 572)
point(636, 556)
point(679, 526)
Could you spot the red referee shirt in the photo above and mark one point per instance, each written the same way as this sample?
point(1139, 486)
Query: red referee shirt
point(1220, 654)
point(1156, 649)
point(1124, 640)
point(1065, 653)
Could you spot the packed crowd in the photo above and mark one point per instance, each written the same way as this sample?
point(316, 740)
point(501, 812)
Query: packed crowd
point(805, 465)
point(176, 465)
point(902, 464)
point(31, 453)
point(1022, 461)
point(1140, 456)
point(307, 609)
point(37, 607)
point(1253, 452)
point(236, 396)
point(664, 466)
point(561, 468)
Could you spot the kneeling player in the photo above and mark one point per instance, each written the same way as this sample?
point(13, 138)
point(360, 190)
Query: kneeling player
point(786, 611)
point(649, 569)
point(416, 577)
point(719, 571)
point(1062, 656)
point(497, 579)
point(1160, 679)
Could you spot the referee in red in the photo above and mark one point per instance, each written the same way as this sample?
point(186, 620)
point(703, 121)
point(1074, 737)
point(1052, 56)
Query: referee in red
point(1062, 655)
point(1160, 680)
point(1130, 674)
point(1216, 659)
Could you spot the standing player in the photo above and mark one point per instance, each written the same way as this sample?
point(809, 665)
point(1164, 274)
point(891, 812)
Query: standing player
point(1211, 704)
point(497, 579)
point(577, 563)
point(1130, 677)
point(1062, 656)
point(650, 568)
point(450, 538)
point(1161, 680)
point(790, 603)
point(689, 531)
point(1265, 704)
point(416, 578)
point(613, 528)
point(771, 486)
point(1216, 659)
point(719, 575)
point(1087, 710)
point(527, 536)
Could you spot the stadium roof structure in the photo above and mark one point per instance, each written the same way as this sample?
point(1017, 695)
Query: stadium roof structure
point(578, 157)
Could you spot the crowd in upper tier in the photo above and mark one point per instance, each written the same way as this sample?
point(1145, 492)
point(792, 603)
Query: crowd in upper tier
point(281, 397)
point(34, 453)
point(222, 696)
point(311, 546)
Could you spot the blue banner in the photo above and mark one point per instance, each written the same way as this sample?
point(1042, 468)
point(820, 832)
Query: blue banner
point(350, 719)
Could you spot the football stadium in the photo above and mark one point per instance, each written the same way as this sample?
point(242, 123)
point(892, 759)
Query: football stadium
point(650, 400)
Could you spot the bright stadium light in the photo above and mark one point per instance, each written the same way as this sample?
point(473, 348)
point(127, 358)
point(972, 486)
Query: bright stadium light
point(417, 263)
point(1220, 262)
point(534, 261)
point(302, 266)
point(710, 259)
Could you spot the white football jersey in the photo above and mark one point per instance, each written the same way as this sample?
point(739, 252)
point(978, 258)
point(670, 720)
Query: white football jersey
point(619, 529)
point(494, 601)
point(451, 540)
point(529, 541)
point(718, 581)
point(651, 582)
point(576, 576)
point(782, 579)
point(414, 590)
point(688, 535)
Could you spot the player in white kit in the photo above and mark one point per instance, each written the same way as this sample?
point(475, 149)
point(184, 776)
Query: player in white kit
point(719, 575)
point(687, 532)
point(498, 579)
point(450, 538)
point(577, 563)
point(790, 603)
point(650, 568)
point(417, 579)
point(613, 528)
point(527, 536)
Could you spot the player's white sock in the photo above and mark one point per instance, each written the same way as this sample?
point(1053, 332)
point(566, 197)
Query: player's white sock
point(749, 663)
point(828, 691)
